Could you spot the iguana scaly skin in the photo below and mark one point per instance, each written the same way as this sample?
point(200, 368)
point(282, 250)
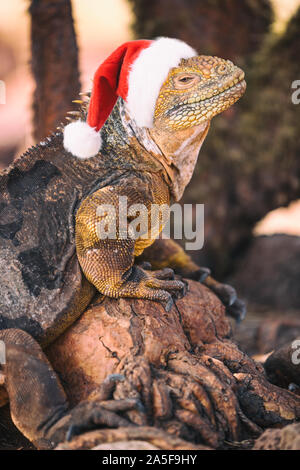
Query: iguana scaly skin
point(48, 210)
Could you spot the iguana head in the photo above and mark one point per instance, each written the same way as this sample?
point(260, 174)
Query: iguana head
point(197, 90)
point(194, 92)
point(167, 97)
point(164, 84)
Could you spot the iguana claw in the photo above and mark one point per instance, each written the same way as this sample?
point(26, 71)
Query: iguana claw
point(227, 294)
point(237, 310)
point(201, 274)
point(235, 307)
point(169, 304)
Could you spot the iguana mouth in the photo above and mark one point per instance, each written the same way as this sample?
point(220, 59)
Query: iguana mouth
point(234, 85)
point(232, 92)
point(231, 85)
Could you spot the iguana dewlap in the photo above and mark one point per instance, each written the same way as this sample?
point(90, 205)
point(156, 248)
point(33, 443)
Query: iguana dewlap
point(51, 260)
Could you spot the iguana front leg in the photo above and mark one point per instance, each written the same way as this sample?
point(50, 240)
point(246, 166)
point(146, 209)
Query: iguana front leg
point(109, 263)
point(167, 253)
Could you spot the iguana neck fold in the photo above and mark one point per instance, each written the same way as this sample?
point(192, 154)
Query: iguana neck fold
point(173, 153)
point(179, 153)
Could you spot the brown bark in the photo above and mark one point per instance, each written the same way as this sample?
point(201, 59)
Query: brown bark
point(228, 28)
point(154, 437)
point(54, 63)
point(287, 438)
point(191, 379)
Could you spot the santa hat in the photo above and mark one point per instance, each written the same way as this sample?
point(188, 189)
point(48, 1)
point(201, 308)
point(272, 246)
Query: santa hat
point(135, 71)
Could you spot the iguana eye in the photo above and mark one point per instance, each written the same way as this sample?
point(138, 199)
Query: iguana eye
point(185, 80)
point(221, 69)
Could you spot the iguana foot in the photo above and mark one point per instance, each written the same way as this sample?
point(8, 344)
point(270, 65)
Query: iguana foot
point(175, 288)
point(235, 307)
point(157, 285)
point(199, 274)
point(165, 252)
point(237, 310)
point(226, 293)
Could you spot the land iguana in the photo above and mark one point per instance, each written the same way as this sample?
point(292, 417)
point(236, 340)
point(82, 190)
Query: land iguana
point(52, 262)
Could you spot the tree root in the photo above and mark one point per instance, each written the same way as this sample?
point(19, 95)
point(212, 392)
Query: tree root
point(190, 378)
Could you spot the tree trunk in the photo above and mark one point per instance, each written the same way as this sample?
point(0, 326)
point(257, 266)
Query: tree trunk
point(54, 63)
point(226, 28)
point(193, 383)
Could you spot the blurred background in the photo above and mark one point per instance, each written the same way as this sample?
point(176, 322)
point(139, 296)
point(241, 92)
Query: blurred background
point(249, 167)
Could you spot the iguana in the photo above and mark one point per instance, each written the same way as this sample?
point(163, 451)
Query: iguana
point(52, 262)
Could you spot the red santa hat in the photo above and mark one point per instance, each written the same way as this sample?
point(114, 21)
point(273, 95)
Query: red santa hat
point(135, 71)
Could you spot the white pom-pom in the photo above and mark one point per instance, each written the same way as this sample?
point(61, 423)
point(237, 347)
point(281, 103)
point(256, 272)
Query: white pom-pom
point(81, 139)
